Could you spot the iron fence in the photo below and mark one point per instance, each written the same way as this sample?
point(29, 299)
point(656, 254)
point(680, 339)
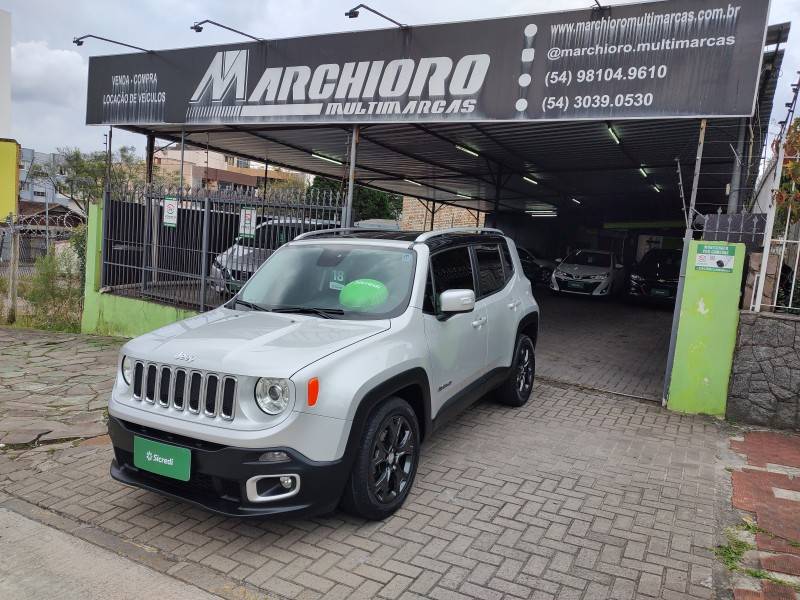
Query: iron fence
point(196, 248)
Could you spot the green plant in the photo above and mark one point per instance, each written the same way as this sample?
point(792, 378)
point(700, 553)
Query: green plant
point(54, 294)
point(77, 242)
point(731, 553)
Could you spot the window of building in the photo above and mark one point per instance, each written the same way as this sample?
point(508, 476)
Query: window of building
point(40, 194)
point(490, 269)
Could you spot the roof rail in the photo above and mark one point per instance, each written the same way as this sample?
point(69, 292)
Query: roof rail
point(316, 232)
point(431, 234)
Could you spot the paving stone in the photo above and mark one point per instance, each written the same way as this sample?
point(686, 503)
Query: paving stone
point(570, 496)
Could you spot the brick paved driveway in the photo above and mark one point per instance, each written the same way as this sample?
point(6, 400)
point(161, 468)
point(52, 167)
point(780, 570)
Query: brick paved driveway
point(576, 495)
point(606, 345)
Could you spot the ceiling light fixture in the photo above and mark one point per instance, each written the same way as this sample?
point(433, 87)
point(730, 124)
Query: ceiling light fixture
point(327, 159)
point(530, 180)
point(467, 150)
point(614, 134)
point(576, 201)
point(656, 188)
point(643, 172)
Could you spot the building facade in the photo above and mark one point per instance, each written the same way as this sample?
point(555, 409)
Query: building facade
point(217, 171)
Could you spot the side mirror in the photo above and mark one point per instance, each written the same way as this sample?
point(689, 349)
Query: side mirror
point(559, 261)
point(457, 301)
point(619, 266)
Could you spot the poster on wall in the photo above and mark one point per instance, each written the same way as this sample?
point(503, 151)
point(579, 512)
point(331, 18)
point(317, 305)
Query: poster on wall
point(170, 212)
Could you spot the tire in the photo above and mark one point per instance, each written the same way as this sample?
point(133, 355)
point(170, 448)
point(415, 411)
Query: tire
point(376, 489)
point(517, 388)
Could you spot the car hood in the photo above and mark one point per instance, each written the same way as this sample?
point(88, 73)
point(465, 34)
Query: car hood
point(250, 343)
point(583, 270)
point(243, 258)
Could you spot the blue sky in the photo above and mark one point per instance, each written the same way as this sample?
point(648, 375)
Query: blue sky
point(49, 72)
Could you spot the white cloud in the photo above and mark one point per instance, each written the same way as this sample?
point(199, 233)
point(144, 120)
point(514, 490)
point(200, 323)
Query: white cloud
point(47, 75)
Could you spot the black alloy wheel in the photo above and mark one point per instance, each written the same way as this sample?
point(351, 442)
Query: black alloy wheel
point(393, 458)
point(386, 462)
point(517, 388)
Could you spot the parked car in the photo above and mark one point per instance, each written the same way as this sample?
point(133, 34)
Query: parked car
point(588, 272)
point(230, 270)
point(316, 384)
point(537, 269)
point(656, 276)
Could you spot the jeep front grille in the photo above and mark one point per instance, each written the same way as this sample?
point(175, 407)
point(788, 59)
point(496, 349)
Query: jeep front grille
point(209, 394)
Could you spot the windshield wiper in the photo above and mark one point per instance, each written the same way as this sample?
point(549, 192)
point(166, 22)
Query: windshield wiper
point(249, 305)
point(325, 313)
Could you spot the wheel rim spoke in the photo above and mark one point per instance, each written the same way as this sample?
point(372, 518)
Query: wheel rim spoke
point(393, 458)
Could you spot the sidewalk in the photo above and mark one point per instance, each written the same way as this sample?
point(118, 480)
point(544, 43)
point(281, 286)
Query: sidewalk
point(42, 562)
point(765, 550)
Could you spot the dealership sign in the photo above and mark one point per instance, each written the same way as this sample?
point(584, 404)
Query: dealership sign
point(678, 58)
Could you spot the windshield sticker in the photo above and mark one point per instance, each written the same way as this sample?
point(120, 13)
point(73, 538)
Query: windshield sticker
point(335, 285)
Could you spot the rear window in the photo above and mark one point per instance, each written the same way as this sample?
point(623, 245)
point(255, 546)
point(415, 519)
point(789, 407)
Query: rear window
point(490, 269)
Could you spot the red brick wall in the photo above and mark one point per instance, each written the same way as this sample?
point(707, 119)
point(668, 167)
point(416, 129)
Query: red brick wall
point(415, 216)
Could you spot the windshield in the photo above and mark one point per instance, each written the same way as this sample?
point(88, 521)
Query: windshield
point(586, 258)
point(663, 258)
point(349, 281)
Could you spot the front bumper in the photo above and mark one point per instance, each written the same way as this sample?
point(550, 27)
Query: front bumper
point(585, 287)
point(219, 475)
point(665, 292)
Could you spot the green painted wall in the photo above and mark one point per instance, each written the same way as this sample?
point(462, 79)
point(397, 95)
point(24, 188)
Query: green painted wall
point(707, 333)
point(106, 314)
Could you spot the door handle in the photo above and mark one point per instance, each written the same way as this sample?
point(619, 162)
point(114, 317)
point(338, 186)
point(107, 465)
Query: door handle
point(479, 322)
point(515, 304)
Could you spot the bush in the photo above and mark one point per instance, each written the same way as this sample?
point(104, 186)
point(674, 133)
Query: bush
point(54, 294)
point(77, 242)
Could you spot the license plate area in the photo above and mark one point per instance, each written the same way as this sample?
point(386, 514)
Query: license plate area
point(575, 285)
point(659, 292)
point(162, 459)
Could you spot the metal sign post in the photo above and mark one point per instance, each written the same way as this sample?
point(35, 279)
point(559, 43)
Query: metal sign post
point(687, 238)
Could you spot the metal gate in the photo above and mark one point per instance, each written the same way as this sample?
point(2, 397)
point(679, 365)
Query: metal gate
point(197, 248)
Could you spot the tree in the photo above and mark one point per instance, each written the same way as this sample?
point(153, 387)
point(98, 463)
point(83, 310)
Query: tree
point(81, 176)
point(787, 196)
point(367, 203)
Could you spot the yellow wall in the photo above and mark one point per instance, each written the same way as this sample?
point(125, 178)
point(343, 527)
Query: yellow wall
point(9, 177)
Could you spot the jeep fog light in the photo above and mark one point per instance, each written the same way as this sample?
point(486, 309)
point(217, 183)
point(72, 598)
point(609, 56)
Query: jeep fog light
point(127, 369)
point(272, 395)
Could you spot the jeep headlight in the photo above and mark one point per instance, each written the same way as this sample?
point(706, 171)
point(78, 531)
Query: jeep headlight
point(127, 369)
point(272, 395)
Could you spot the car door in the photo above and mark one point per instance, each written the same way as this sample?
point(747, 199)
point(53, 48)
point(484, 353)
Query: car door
point(457, 343)
point(497, 296)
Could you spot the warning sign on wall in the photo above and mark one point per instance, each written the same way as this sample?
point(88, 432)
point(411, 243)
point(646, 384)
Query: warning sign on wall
point(715, 257)
point(170, 211)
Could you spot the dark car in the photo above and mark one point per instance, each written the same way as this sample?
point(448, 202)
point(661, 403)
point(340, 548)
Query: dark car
point(656, 276)
point(537, 269)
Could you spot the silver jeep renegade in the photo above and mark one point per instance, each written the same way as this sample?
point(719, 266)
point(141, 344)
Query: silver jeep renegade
point(316, 384)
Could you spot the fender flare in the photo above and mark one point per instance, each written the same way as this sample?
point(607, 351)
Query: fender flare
point(530, 322)
point(412, 377)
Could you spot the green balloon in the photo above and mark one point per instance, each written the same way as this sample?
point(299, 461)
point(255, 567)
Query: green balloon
point(363, 294)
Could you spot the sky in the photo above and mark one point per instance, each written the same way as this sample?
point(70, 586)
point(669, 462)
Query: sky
point(48, 72)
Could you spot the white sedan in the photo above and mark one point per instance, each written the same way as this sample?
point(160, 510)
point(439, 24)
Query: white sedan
point(589, 273)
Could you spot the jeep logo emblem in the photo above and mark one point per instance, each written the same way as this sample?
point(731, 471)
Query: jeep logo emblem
point(184, 357)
